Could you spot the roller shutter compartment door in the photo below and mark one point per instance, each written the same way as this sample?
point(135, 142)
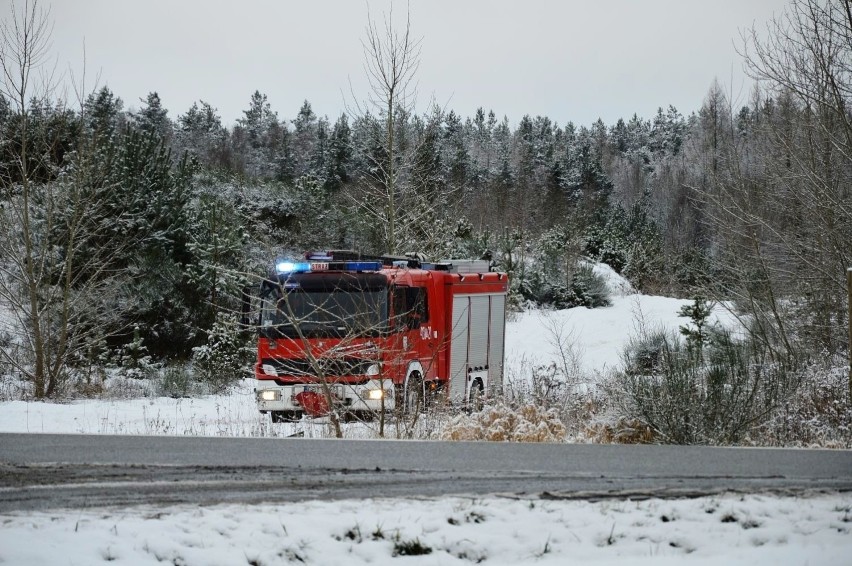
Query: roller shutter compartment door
point(459, 348)
point(498, 339)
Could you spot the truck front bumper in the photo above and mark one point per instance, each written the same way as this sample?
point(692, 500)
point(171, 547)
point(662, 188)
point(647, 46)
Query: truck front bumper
point(373, 396)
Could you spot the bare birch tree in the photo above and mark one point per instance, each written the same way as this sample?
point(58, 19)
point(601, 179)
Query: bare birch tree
point(391, 60)
point(24, 46)
point(54, 260)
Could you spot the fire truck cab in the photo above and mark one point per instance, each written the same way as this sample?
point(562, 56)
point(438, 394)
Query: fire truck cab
point(361, 336)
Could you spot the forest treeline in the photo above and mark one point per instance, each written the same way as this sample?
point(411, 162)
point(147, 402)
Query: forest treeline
point(135, 230)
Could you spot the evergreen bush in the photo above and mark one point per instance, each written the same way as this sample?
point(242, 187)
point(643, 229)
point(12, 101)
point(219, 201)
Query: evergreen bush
point(588, 288)
point(176, 382)
point(225, 357)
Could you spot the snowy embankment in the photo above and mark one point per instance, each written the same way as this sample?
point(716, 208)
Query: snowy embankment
point(593, 339)
point(728, 529)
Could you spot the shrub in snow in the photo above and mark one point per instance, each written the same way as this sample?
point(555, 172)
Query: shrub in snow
point(620, 430)
point(6, 344)
point(548, 277)
point(589, 288)
point(818, 413)
point(10, 387)
point(134, 359)
point(582, 287)
point(175, 382)
point(503, 423)
point(118, 386)
point(225, 357)
point(716, 394)
point(548, 386)
point(627, 240)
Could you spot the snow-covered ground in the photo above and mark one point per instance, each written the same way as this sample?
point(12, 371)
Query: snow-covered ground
point(727, 529)
point(230, 414)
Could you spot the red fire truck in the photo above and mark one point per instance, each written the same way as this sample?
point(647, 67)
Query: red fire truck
point(363, 335)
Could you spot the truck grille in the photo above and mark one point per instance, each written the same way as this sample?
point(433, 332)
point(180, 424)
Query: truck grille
point(299, 367)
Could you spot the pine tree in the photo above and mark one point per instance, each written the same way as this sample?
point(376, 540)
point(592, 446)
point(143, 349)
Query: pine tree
point(200, 132)
point(339, 162)
point(257, 119)
point(255, 138)
point(103, 113)
point(153, 120)
point(504, 175)
point(320, 157)
point(456, 158)
point(215, 244)
point(429, 184)
point(139, 229)
point(305, 139)
point(697, 336)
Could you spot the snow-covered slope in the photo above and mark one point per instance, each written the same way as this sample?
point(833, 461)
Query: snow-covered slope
point(594, 337)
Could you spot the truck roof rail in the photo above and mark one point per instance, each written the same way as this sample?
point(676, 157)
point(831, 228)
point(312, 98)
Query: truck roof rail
point(411, 260)
point(465, 265)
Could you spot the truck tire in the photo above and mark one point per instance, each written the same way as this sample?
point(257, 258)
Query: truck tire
point(286, 416)
point(414, 394)
point(476, 399)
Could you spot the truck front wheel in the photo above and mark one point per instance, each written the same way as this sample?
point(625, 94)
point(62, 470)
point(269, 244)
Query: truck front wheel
point(414, 394)
point(285, 416)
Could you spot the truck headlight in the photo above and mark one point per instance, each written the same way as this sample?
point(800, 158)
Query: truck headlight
point(374, 369)
point(269, 395)
point(375, 394)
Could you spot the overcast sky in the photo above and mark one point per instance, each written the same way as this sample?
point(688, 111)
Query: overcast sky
point(571, 60)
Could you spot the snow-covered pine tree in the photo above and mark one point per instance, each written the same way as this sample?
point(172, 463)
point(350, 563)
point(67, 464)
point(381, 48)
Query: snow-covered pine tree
point(254, 144)
point(305, 139)
point(152, 119)
point(200, 132)
point(339, 161)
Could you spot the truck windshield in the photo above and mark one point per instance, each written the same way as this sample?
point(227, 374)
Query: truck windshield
point(326, 313)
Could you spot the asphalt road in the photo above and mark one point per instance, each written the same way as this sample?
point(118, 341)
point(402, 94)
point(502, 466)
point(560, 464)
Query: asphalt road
point(41, 471)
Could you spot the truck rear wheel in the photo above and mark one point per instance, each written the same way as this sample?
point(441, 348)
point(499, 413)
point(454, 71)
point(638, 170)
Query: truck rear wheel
point(476, 399)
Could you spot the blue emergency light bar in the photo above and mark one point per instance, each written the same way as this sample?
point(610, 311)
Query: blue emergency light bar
point(283, 267)
point(292, 267)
